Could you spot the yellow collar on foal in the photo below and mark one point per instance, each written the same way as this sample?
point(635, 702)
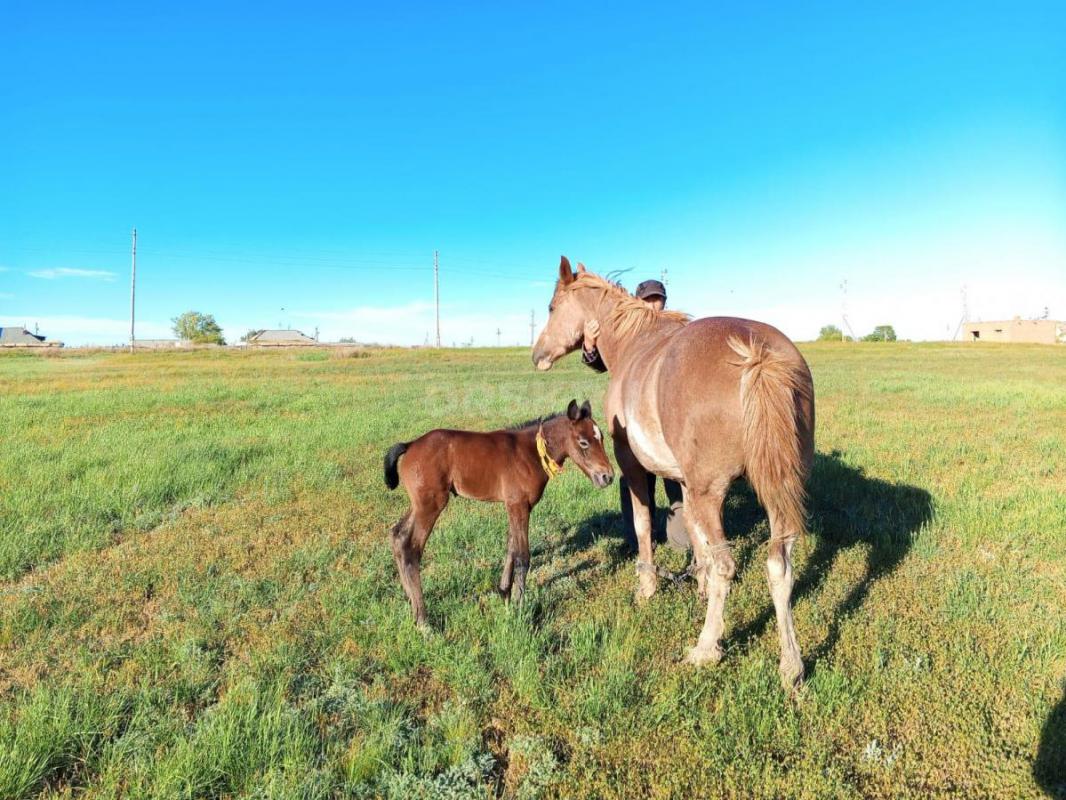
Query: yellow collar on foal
point(551, 468)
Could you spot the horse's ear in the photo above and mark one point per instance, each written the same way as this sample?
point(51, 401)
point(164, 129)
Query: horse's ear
point(586, 410)
point(581, 267)
point(573, 413)
point(566, 275)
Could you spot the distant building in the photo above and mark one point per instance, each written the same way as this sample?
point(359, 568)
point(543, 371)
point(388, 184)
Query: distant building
point(279, 338)
point(20, 337)
point(1031, 331)
point(161, 344)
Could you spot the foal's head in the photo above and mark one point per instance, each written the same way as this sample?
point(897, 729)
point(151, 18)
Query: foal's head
point(581, 439)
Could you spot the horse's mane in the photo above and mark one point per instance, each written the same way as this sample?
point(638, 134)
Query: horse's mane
point(630, 314)
point(536, 422)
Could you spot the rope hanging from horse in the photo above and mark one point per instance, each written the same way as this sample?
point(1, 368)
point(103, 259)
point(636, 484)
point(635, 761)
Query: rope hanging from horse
point(549, 465)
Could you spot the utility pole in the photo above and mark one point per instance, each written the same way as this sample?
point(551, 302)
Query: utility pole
point(965, 314)
point(498, 337)
point(532, 325)
point(844, 312)
point(133, 287)
point(436, 290)
point(664, 279)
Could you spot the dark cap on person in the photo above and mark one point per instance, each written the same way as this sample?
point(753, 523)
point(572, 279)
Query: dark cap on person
point(651, 289)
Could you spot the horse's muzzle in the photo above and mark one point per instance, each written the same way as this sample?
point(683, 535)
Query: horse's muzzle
point(603, 479)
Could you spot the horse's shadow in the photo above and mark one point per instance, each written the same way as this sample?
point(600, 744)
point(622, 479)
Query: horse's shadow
point(1049, 769)
point(848, 509)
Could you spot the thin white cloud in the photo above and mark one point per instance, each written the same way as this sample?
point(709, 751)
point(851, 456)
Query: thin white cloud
point(68, 272)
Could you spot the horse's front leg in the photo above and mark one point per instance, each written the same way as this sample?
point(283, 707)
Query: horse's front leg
point(517, 549)
point(642, 504)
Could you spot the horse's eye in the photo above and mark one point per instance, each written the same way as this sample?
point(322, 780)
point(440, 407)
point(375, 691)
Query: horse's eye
point(583, 444)
point(551, 308)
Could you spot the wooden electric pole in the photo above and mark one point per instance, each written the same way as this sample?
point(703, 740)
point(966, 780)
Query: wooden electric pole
point(532, 325)
point(133, 288)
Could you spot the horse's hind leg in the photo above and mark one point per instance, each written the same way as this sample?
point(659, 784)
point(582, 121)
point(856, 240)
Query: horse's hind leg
point(703, 509)
point(408, 541)
point(400, 538)
point(779, 576)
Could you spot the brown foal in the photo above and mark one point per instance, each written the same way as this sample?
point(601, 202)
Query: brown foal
point(701, 402)
point(509, 466)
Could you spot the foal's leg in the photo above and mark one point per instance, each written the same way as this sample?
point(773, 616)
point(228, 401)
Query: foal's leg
point(517, 562)
point(703, 508)
point(409, 540)
point(779, 575)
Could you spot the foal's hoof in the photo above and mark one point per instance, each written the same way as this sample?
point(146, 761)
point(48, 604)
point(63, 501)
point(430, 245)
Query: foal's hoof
point(700, 656)
point(791, 671)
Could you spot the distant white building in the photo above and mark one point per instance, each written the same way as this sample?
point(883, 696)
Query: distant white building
point(162, 344)
point(279, 338)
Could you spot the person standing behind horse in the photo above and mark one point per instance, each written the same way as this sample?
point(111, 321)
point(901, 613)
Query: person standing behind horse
point(653, 293)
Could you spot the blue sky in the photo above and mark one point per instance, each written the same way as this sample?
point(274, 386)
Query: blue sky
point(310, 157)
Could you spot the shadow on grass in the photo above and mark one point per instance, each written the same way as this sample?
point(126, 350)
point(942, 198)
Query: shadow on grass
point(848, 510)
point(1049, 769)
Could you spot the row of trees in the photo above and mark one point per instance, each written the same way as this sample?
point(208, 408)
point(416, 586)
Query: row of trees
point(202, 329)
point(882, 333)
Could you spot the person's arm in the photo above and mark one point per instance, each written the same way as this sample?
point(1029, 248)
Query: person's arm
point(592, 359)
point(590, 355)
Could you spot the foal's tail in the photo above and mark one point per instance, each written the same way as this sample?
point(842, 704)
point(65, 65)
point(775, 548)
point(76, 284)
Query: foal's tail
point(392, 458)
point(770, 386)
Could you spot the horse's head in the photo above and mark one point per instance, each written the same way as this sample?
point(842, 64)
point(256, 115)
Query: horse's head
point(564, 329)
point(584, 444)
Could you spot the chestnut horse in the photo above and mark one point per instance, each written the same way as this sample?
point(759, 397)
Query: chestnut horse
point(701, 402)
point(508, 466)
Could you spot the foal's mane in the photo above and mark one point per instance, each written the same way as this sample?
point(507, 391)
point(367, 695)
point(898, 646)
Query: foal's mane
point(630, 314)
point(536, 422)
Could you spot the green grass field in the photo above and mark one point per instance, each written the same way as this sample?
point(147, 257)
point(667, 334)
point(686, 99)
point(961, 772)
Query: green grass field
point(197, 596)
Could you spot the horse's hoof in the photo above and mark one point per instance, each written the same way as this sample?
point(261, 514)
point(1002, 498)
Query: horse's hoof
point(700, 656)
point(791, 671)
point(645, 589)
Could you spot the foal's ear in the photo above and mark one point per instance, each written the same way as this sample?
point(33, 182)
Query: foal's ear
point(573, 413)
point(581, 267)
point(586, 410)
point(566, 275)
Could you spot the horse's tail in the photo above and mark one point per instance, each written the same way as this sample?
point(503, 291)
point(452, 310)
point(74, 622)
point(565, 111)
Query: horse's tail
point(770, 386)
point(392, 458)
